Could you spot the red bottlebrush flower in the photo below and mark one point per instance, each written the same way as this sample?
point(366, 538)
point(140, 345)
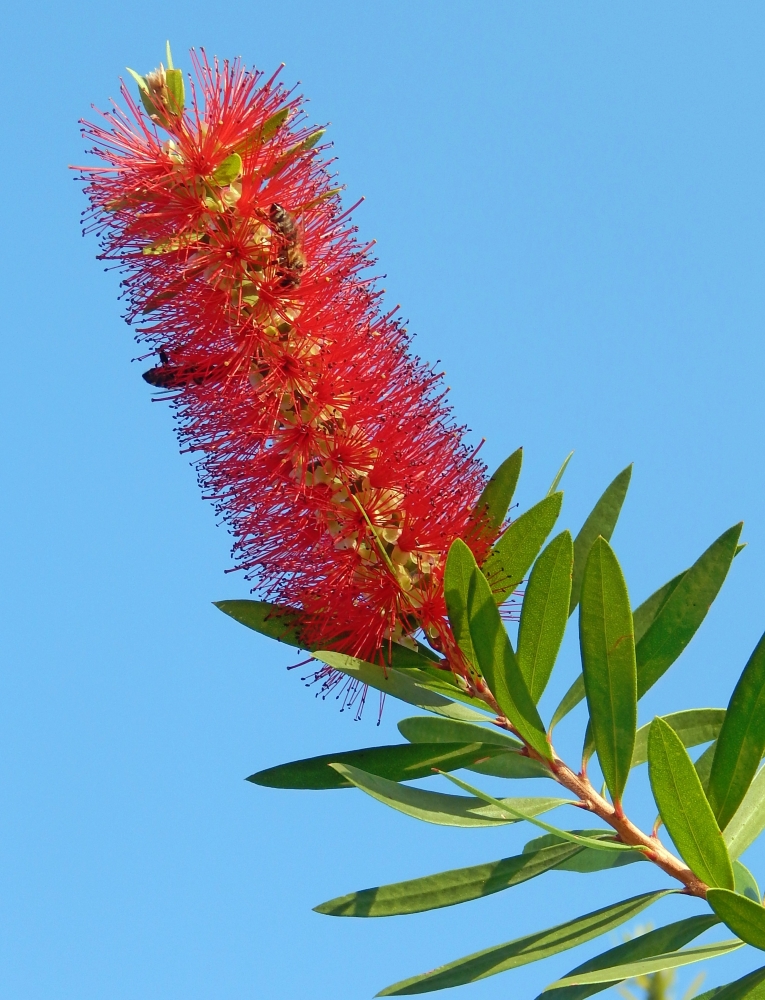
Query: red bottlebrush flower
point(325, 446)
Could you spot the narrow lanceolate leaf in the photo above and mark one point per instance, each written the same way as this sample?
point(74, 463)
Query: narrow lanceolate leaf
point(460, 565)
point(648, 966)
point(402, 762)
point(684, 808)
point(499, 666)
point(745, 882)
point(445, 810)
point(749, 822)
point(510, 764)
point(512, 556)
point(744, 917)
point(427, 729)
point(570, 700)
point(545, 613)
point(741, 742)
point(511, 808)
point(608, 664)
point(530, 948)
point(397, 684)
point(587, 860)
point(282, 624)
point(559, 474)
point(684, 610)
point(657, 942)
point(645, 613)
point(447, 888)
point(601, 522)
point(694, 726)
point(493, 504)
point(703, 766)
point(435, 679)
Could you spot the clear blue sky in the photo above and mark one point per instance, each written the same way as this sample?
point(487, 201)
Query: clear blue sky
point(569, 202)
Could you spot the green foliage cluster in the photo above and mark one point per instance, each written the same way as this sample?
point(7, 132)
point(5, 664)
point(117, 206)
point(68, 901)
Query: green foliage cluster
point(712, 809)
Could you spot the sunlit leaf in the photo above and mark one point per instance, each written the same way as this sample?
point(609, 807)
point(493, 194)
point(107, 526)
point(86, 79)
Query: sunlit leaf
point(694, 726)
point(397, 684)
point(684, 610)
point(741, 742)
point(447, 888)
point(510, 808)
point(601, 522)
point(749, 821)
point(400, 762)
point(494, 503)
point(744, 917)
point(745, 882)
point(751, 987)
point(559, 474)
point(684, 808)
point(527, 949)
point(497, 661)
point(608, 663)
point(443, 810)
point(512, 556)
point(587, 860)
point(545, 613)
point(648, 966)
point(654, 942)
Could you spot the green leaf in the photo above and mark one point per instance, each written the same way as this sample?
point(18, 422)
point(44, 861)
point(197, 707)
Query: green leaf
point(645, 613)
point(175, 88)
point(168, 55)
point(750, 986)
point(263, 133)
point(647, 966)
point(401, 762)
point(741, 742)
point(587, 860)
point(545, 613)
point(312, 140)
point(497, 662)
point(704, 765)
point(684, 808)
point(511, 558)
point(506, 806)
point(570, 700)
point(143, 86)
point(447, 888)
point(229, 170)
point(443, 810)
point(530, 948)
point(435, 679)
point(684, 610)
point(397, 684)
point(426, 729)
point(608, 664)
point(601, 522)
point(744, 917)
point(294, 152)
point(273, 620)
point(749, 822)
point(511, 764)
point(745, 882)
point(494, 503)
point(655, 942)
point(556, 482)
point(694, 726)
point(460, 565)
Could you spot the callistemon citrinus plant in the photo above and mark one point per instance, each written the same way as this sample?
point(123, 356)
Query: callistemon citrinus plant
point(374, 541)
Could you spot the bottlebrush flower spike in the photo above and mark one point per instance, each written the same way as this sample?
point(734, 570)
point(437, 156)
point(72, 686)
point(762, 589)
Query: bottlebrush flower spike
point(325, 446)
